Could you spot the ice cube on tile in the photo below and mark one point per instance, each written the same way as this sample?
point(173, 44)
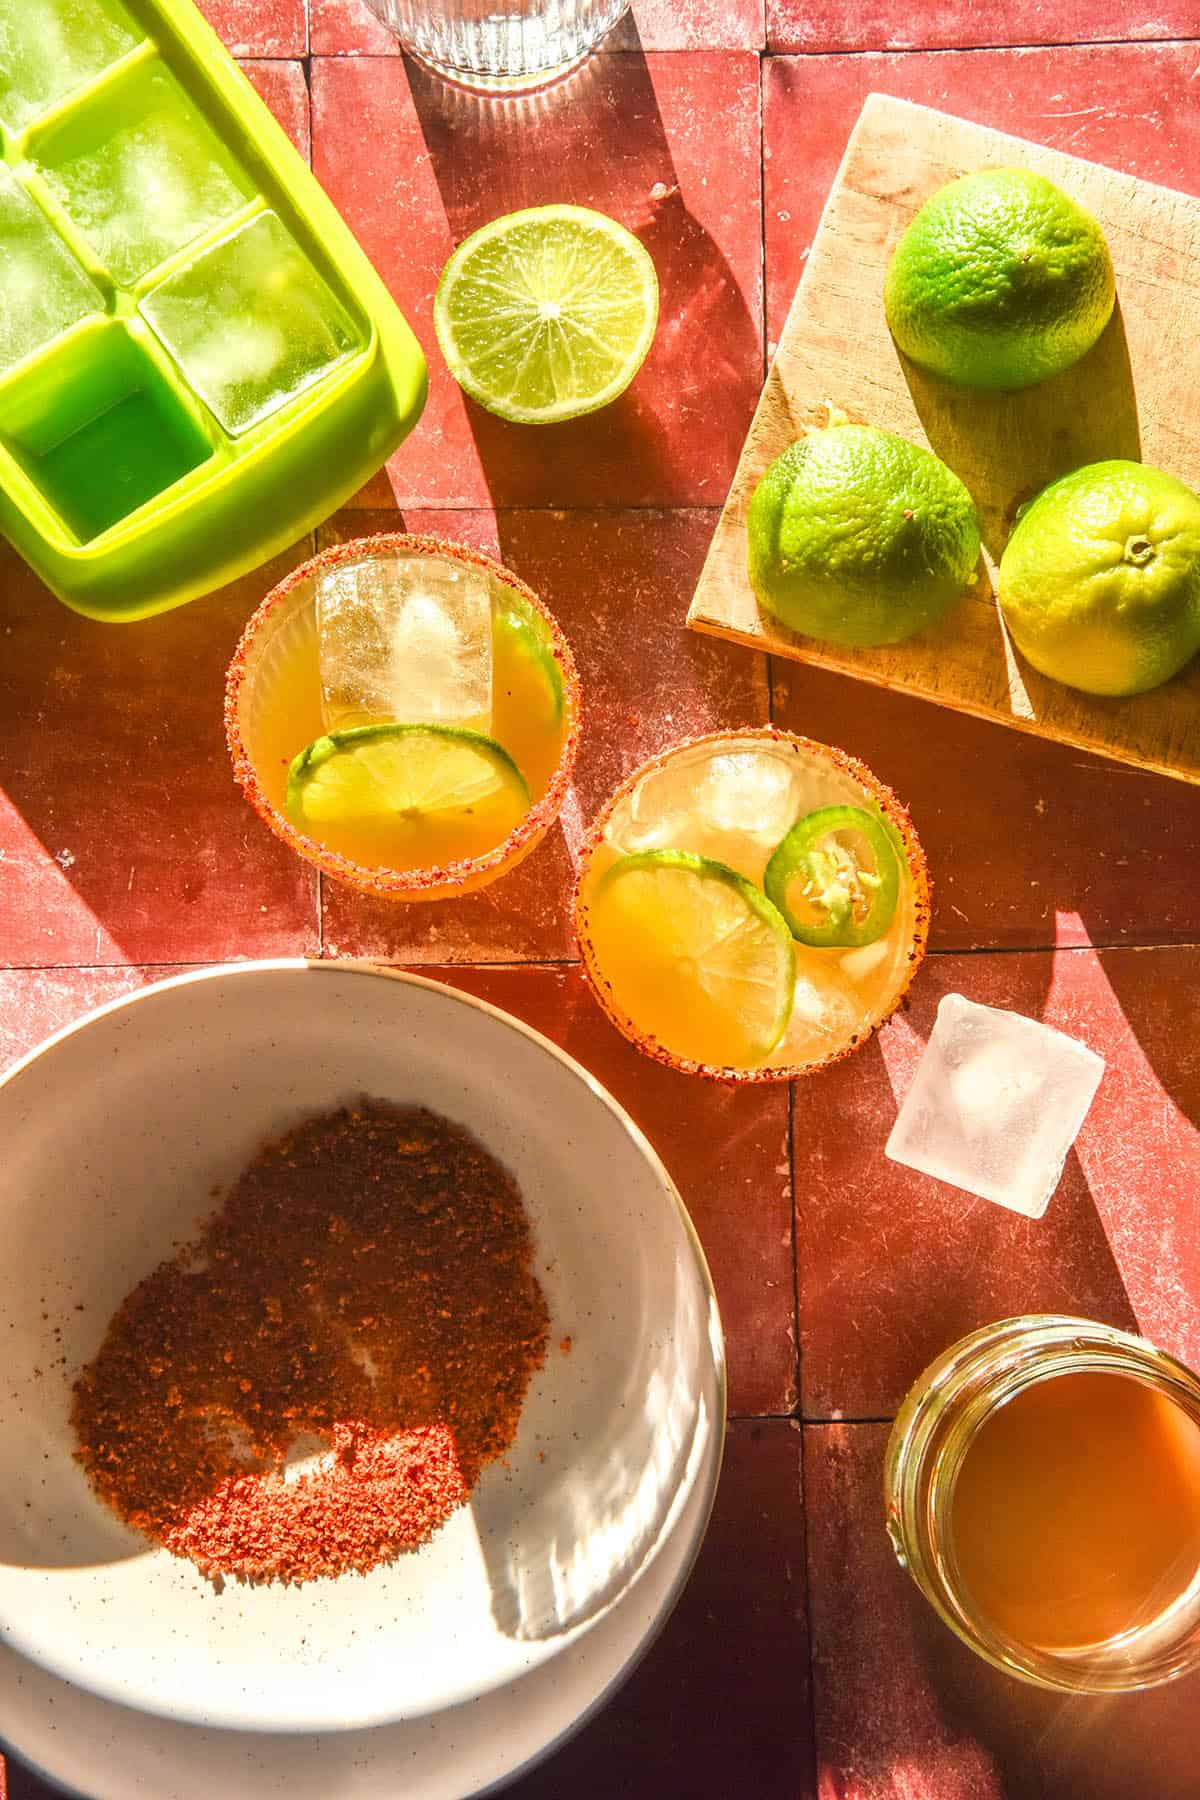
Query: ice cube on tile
point(406, 638)
point(149, 187)
point(251, 323)
point(996, 1104)
point(48, 48)
point(43, 290)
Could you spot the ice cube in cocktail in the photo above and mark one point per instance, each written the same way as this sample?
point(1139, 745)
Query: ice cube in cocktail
point(43, 290)
point(48, 48)
point(996, 1103)
point(735, 803)
point(251, 323)
point(406, 638)
point(149, 186)
point(751, 903)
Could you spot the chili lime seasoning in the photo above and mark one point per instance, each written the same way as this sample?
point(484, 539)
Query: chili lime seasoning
point(366, 1293)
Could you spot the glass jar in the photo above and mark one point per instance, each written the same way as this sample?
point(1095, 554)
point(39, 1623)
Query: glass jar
point(933, 1432)
point(500, 46)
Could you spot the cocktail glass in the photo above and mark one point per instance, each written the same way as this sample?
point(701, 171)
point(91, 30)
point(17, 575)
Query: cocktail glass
point(274, 710)
point(684, 950)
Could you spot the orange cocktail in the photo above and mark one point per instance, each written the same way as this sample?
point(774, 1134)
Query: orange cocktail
point(404, 713)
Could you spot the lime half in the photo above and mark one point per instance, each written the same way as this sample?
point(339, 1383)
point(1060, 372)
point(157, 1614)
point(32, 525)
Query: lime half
point(547, 314)
point(407, 796)
point(694, 955)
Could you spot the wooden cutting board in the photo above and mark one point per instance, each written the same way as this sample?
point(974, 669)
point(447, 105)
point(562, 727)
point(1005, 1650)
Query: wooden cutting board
point(1135, 395)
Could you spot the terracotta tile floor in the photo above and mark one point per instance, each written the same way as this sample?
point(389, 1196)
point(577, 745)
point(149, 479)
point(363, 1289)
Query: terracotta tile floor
point(799, 1662)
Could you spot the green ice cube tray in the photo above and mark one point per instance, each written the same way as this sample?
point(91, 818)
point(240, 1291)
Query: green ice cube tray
point(197, 361)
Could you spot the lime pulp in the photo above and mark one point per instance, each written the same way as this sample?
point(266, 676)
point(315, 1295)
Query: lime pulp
point(694, 955)
point(407, 794)
point(547, 314)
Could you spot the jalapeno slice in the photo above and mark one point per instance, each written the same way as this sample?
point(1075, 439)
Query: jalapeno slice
point(835, 878)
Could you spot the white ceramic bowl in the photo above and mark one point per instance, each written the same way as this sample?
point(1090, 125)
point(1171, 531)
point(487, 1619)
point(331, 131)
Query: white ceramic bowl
point(115, 1134)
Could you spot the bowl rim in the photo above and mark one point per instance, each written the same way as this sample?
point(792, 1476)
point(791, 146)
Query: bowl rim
point(893, 810)
point(436, 881)
point(16, 1640)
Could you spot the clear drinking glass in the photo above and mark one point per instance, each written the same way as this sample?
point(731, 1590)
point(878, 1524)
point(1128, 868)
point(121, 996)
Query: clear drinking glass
point(500, 46)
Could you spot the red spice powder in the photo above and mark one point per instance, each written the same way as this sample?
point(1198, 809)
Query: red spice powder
point(366, 1292)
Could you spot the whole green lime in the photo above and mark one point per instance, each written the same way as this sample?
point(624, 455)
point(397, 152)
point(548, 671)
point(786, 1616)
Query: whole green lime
point(1000, 281)
point(858, 537)
point(1100, 580)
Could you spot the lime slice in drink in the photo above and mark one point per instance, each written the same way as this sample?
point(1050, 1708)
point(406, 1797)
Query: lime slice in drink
point(407, 796)
point(547, 314)
point(694, 955)
point(516, 639)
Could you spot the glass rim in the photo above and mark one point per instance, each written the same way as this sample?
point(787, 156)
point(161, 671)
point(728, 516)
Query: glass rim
point(436, 881)
point(893, 810)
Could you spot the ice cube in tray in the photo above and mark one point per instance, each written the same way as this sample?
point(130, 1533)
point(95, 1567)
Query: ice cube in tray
point(251, 323)
point(49, 48)
point(148, 188)
point(43, 290)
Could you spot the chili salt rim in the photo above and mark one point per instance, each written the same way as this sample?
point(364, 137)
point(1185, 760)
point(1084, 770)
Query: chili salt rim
point(439, 881)
point(893, 810)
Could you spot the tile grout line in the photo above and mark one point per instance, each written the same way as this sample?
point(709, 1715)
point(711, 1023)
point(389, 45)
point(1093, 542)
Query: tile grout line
point(762, 201)
point(823, 1421)
point(208, 962)
point(882, 51)
point(540, 962)
point(798, 1421)
point(768, 50)
point(766, 339)
point(595, 509)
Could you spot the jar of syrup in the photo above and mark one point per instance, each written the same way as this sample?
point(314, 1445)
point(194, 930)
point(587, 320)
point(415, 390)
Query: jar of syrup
point(1042, 1484)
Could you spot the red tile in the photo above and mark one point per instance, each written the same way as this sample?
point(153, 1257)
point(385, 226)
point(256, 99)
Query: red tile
point(691, 25)
point(720, 1707)
point(1075, 99)
point(122, 835)
point(893, 1266)
point(667, 144)
point(822, 25)
point(350, 28)
point(619, 583)
point(726, 1151)
point(35, 1003)
point(904, 1710)
point(260, 27)
point(522, 917)
point(283, 87)
point(1030, 843)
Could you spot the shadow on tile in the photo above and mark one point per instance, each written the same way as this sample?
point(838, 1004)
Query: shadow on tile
point(1156, 992)
point(1050, 1746)
point(706, 361)
point(123, 836)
